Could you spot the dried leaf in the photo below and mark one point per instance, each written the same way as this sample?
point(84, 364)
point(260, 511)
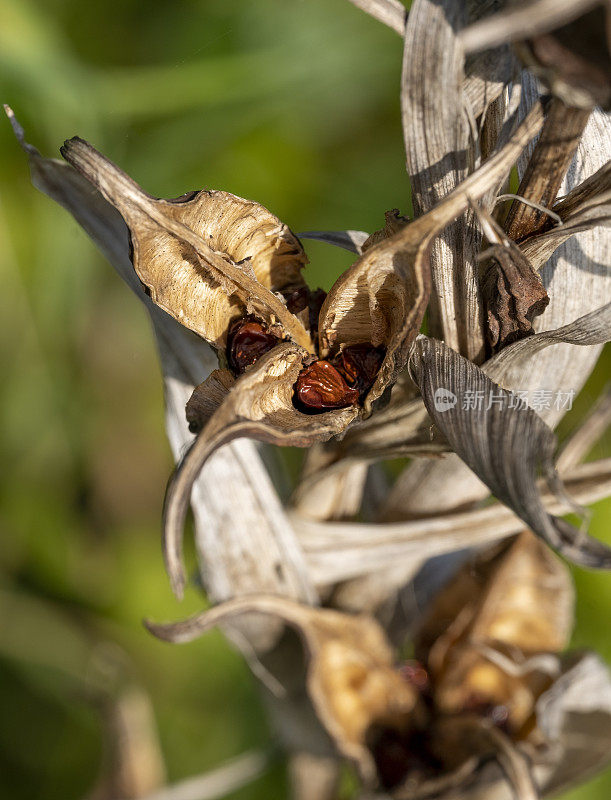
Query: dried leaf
point(351, 680)
point(260, 405)
point(348, 240)
point(551, 157)
point(585, 207)
point(522, 21)
point(504, 446)
point(588, 434)
point(206, 259)
point(439, 155)
point(391, 12)
point(339, 551)
point(506, 367)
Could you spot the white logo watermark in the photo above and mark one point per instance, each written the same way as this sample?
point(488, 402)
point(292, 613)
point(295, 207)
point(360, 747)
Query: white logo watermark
point(519, 399)
point(444, 399)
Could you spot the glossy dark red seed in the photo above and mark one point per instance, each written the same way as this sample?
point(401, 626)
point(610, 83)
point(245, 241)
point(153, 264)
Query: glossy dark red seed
point(321, 387)
point(360, 364)
point(416, 674)
point(247, 341)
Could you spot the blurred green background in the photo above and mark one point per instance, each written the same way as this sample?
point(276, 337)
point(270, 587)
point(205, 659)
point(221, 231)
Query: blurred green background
point(293, 103)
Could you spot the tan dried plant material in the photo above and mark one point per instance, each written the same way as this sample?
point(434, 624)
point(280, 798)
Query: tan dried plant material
point(382, 298)
point(485, 637)
point(505, 444)
point(586, 206)
point(351, 678)
point(207, 258)
point(512, 291)
point(546, 168)
point(258, 405)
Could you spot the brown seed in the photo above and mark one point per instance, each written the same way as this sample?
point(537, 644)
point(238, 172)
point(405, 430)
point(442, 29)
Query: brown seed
point(247, 341)
point(297, 299)
point(360, 364)
point(416, 674)
point(321, 387)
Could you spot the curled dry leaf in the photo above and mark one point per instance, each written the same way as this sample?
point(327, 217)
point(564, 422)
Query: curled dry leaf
point(347, 240)
point(504, 444)
point(573, 60)
point(350, 680)
point(593, 328)
point(259, 405)
point(588, 205)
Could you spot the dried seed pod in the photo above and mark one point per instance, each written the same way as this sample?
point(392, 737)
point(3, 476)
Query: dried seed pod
point(208, 397)
point(351, 679)
point(315, 302)
point(247, 341)
point(493, 632)
point(320, 387)
point(205, 259)
point(382, 298)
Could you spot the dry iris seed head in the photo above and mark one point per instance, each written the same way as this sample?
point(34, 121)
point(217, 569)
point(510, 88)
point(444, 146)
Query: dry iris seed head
point(321, 387)
point(247, 341)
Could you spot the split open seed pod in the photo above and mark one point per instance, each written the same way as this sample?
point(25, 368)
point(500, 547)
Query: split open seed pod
point(489, 635)
point(206, 258)
point(351, 679)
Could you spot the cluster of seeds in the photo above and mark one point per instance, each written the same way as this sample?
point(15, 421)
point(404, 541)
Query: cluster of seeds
point(322, 385)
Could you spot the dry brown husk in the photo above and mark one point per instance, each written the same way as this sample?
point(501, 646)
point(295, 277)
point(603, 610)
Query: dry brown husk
point(351, 679)
point(382, 298)
point(494, 633)
point(206, 259)
point(485, 633)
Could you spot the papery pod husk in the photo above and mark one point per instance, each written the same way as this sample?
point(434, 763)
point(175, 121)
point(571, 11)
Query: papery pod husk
point(515, 603)
point(382, 298)
point(206, 258)
point(574, 716)
point(351, 680)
